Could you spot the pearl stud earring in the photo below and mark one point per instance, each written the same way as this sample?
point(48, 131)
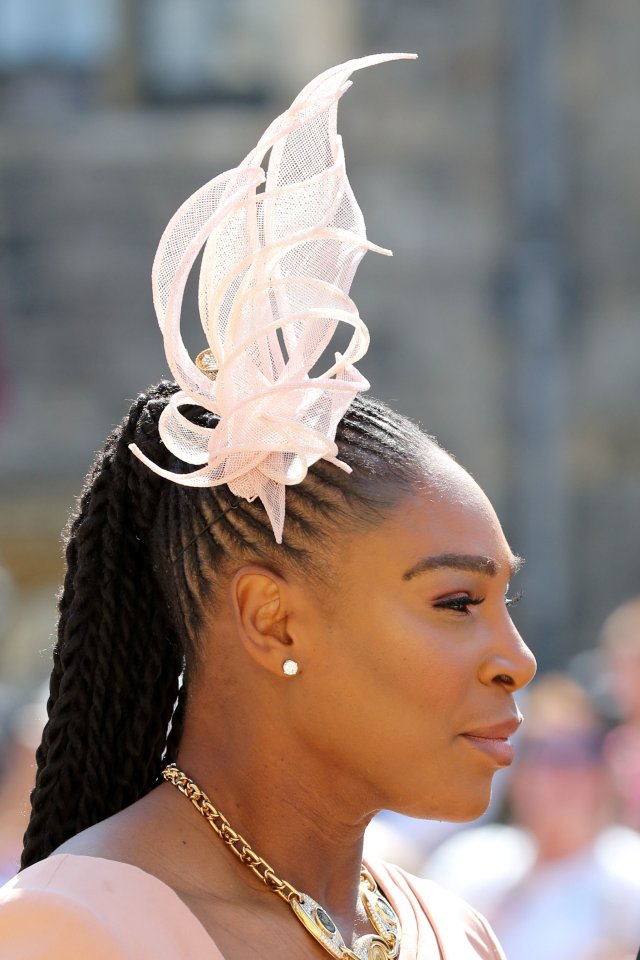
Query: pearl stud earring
point(290, 668)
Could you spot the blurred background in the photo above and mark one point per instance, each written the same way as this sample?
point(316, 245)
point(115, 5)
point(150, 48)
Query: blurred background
point(502, 169)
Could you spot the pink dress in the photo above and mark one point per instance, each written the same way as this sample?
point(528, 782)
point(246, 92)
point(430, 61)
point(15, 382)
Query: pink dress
point(72, 907)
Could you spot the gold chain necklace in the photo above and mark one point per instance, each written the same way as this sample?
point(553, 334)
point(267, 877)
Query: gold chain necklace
point(383, 945)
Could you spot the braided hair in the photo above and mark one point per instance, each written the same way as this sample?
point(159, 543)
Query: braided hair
point(143, 555)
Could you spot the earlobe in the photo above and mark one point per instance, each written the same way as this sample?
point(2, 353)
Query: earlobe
point(259, 597)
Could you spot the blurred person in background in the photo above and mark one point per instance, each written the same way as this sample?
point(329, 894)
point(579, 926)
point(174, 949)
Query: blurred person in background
point(16, 759)
point(620, 642)
point(562, 881)
point(10, 839)
point(20, 731)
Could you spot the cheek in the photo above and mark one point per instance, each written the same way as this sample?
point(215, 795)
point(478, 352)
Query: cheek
point(414, 662)
point(389, 673)
point(385, 697)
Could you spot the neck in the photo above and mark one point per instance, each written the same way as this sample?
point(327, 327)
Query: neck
point(291, 809)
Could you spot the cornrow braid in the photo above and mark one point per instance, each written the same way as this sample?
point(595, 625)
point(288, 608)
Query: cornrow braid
point(143, 556)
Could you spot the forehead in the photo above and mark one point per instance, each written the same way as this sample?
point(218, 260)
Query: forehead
point(451, 515)
point(458, 525)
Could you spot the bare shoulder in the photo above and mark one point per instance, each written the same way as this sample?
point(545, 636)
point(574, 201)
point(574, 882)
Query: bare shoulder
point(145, 835)
point(158, 834)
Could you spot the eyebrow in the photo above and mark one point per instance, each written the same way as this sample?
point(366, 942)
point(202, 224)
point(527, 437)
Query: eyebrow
point(461, 561)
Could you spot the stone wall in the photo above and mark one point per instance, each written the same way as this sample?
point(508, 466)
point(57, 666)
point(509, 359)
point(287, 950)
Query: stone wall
point(86, 194)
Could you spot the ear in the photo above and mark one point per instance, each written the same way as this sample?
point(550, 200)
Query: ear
point(259, 599)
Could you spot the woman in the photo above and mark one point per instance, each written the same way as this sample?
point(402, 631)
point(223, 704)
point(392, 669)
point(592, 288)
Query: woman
point(342, 650)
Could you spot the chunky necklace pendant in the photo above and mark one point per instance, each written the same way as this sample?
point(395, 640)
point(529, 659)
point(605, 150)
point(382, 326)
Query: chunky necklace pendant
point(384, 944)
point(319, 924)
point(383, 919)
point(378, 950)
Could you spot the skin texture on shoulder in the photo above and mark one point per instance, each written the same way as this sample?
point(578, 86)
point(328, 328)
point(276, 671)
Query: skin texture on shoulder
point(408, 662)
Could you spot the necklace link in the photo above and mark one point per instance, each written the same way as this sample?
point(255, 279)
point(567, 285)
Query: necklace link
point(383, 945)
point(225, 831)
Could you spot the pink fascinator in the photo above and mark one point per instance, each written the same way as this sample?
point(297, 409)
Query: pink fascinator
point(280, 252)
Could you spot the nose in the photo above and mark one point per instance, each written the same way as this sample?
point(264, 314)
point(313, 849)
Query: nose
point(511, 664)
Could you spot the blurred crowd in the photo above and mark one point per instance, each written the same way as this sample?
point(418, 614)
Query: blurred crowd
point(555, 863)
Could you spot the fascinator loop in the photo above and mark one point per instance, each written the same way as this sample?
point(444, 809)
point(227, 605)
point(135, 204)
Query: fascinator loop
point(281, 248)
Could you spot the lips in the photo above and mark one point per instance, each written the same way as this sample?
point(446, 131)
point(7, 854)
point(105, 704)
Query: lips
point(493, 740)
point(497, 731)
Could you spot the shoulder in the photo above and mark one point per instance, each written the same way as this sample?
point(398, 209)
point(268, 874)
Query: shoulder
point(461, 930)
point(40, 917)
point(104, 909)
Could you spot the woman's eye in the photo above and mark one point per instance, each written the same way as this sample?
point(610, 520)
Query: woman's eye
point(459, 604)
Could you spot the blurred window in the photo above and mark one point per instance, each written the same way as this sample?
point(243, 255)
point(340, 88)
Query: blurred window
point(76, 34)
point(203, 49)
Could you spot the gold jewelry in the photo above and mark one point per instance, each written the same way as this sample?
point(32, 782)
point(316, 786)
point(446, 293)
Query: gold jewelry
point(206, 363)
point(383, 945)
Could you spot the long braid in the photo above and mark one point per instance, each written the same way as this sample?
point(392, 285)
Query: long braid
point(143, 556)
point(117, 660)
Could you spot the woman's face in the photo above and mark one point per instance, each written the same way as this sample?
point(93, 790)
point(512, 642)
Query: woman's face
point(409, 656)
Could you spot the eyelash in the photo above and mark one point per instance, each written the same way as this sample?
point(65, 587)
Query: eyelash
point(462, 604)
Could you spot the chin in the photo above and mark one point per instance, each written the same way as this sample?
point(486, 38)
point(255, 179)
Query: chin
point(467, 812)
point(462, 807)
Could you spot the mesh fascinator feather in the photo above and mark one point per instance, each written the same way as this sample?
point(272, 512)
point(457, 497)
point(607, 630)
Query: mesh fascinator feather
point(280, 252)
